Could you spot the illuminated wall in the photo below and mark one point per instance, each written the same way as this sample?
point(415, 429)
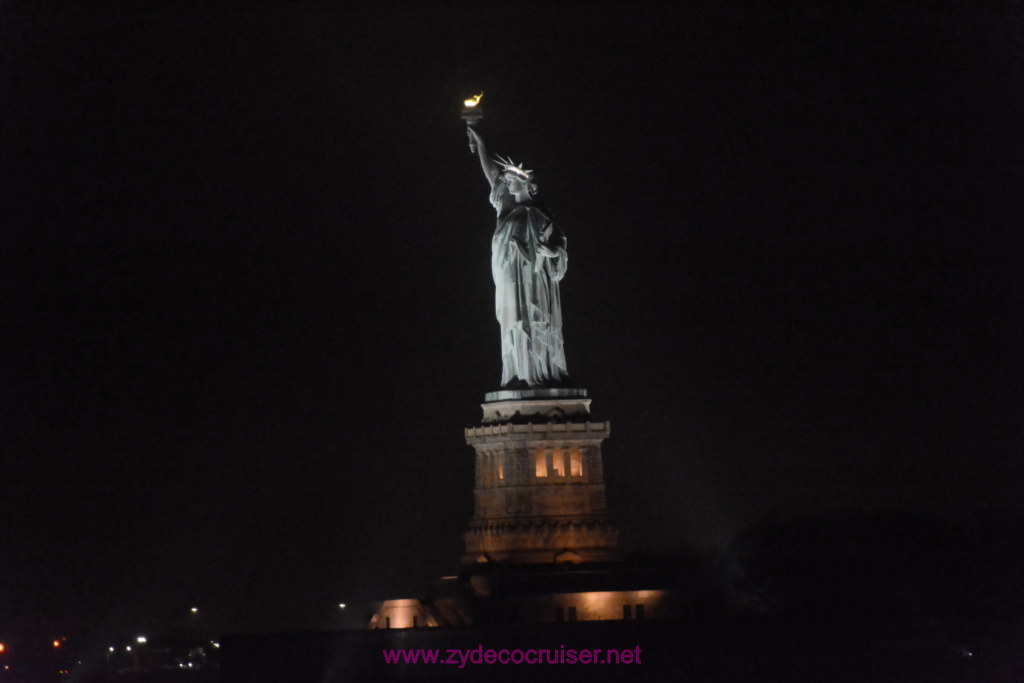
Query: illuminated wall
point(596, 606)
point(402, 613)
point(539, 491)
point(628, 605)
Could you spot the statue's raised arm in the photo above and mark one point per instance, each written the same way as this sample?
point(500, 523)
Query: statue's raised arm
point(476, 144)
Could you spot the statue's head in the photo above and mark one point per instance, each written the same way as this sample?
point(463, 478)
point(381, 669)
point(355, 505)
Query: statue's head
point(520, 189)
point(516, 178)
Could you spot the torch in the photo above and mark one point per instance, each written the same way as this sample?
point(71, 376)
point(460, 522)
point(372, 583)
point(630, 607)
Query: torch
point(472, 112)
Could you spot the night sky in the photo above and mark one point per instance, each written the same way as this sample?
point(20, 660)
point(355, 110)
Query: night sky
point(247, 307)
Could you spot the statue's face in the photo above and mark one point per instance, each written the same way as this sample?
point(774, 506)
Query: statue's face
point(515, 185)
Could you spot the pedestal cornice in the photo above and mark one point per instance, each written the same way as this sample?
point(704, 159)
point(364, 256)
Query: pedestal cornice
point(536, 405)
point(564, 431)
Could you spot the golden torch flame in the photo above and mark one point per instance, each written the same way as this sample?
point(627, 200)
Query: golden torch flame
point(473, 101)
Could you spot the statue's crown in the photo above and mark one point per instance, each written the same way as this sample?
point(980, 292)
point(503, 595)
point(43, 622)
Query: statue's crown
point(507, 166)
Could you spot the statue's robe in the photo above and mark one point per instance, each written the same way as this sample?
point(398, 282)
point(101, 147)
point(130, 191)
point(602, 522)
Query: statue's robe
point(526, 297)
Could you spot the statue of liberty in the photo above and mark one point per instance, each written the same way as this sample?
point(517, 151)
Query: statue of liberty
point(528, 260)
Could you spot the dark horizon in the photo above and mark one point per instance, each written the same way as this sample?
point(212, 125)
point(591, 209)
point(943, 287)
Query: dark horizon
point(249, 309)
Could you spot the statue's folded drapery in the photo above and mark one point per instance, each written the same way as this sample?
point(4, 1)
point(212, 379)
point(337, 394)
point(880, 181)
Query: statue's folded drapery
point(528, 259)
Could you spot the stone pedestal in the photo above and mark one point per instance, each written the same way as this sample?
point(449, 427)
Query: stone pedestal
point(539, 493)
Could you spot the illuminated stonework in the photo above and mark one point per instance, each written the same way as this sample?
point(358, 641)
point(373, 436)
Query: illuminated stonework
point(625, 605)
point(403, 613)
point(539, 493)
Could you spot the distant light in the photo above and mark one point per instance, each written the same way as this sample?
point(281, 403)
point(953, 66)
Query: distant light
point(194, 610)
point(56, 643)
point(128, 648)
point(140, 639)
point(341, 605)
point(1, 647)
point(111, 648)
point(214, 644)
